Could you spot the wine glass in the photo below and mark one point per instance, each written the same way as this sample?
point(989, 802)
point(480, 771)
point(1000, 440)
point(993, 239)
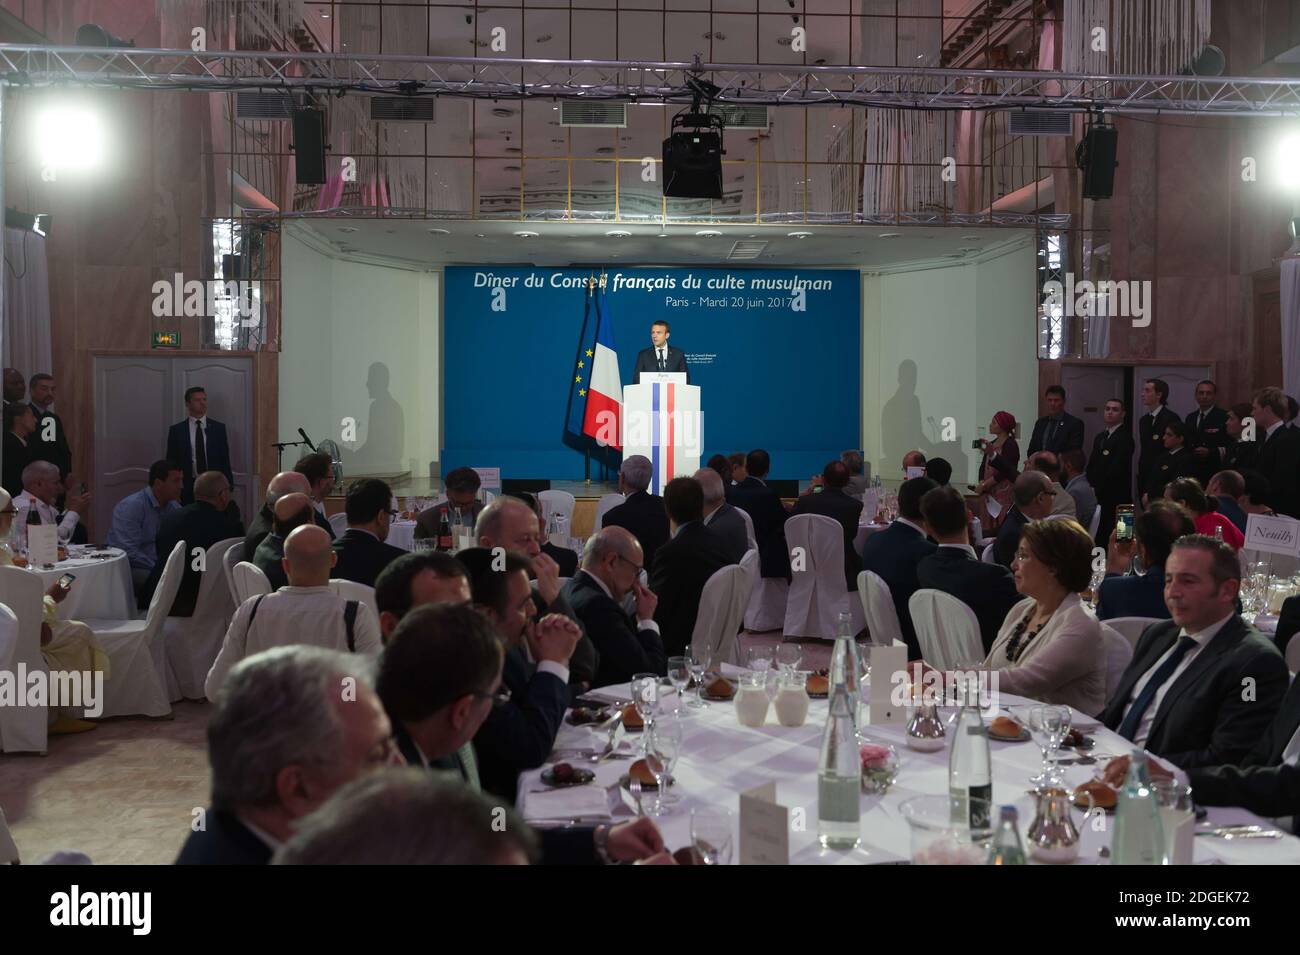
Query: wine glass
point(645, 694)
point(698, 664)
point(1033, 718)
point(759, 658)
point(788, 657)
point(711, 834)
point(679, 672)
point(1058, 725)
point(663, 745)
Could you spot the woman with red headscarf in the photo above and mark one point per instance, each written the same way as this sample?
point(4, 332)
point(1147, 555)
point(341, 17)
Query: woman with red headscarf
point(998, 470)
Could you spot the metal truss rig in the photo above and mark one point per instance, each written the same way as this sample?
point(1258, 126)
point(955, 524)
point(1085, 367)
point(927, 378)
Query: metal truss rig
point(770, 85)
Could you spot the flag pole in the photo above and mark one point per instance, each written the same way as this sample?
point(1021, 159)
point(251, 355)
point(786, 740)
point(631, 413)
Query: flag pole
point(586, 450)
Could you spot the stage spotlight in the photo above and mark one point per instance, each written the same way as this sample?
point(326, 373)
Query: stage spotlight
point(1287, 162)
point(92, 34)
point(1096, 157)
point(693, 152)
point(69, 136)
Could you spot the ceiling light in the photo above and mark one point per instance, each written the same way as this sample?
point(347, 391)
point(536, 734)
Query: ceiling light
point(972, 238)
point(662, 235)
point(480, 235)
point(708, 233)
point(502, 111)
point(525, 234)
point(544, 38)
point(889, 235)
point(798, 235)
point(618, 234)
point(439, 232)
point(347, 228)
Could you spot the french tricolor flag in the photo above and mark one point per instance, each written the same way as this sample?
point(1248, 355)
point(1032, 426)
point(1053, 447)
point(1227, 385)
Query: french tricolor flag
point(602, 419)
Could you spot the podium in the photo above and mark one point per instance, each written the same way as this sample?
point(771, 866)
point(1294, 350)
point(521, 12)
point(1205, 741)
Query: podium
point(661, 420)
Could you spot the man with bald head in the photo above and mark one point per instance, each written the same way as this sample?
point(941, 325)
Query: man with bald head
point(291, 511)
point(831, 501)
point(720, 517)
point(642, 513)
point(611, 565)
point(286, 482)
point(1062, 504)
point(1033, 498)
point(305, 610)
point(200, 525)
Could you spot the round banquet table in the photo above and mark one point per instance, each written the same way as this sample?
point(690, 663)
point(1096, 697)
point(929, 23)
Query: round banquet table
point(720, 759)
point(102, 589)
point(401, 534)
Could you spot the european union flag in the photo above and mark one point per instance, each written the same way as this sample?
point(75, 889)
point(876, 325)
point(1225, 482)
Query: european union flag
point(580, 375)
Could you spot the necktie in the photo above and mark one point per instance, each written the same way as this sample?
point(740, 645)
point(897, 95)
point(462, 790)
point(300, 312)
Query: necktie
point(1128, 729)
point(662, 366)
point(200, 449)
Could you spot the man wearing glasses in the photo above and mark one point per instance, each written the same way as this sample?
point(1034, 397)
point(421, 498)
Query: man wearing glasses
point(1033, 499)
point(362, 550)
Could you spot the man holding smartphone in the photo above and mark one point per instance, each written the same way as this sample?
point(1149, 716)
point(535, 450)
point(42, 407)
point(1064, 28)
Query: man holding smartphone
point(1127, 594)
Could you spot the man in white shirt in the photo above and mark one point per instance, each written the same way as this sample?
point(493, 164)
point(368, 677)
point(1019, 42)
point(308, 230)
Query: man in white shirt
point(41, 488)
point(305, 611)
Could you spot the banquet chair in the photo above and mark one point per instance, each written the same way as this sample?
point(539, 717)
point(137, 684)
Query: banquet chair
point(249, 581)
point(561, 502)
point(8, 850)
point(339, 522)
point(191, 643)
point(1095, 522)
point(817, 594)
point(987, 554)
point(22, 728)
point(1132, 627)
point(137, 655)
point(606, 504)
point(351, 590)
point(878, 605)
point(722, 610)
point(228, 561)
point(1293, 653)
point(947, 629)
point(749, 527)
point(1119, 653)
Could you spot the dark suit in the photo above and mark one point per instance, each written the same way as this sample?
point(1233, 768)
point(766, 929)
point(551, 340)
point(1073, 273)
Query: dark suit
point(262, 523)
point(520, 734)
point(267, 559)
point(567, 559)
point(583, 663)
point(647, 360)
point(1288, 623)
point(644, 517)
point(1110, 472)
point(1133, 595)
point(1210, 431)
point(893, 555)
point(764, 507)
point(16, 457)
point(1056, 434)
point(731, 529)
point(362, 556)
point(180, 452)
point(1008, 539)
point(1151, 443)
point(224, 841)
point(623, 649)
point(1203, 719)
point(1229, 508)
point(835, 504)
point(199, 525)
point(988, 589)
point(1259, 783)
point(682, 567)
point(1241, 455)
point(56, 450)
point(1168, 467)
point(1279, 461)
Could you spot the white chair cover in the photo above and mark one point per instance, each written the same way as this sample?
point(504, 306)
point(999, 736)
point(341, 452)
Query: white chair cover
point(947, 629)
point(228, 561)
point(878, 605)
point(606, 503)
point(1095, 522)
point(136, 685)
point(1293, 653)
point(987, 554)
point(561, 502)
point(722, 609)
point(339, 522)
point(749, 527)
point(1131, 627)
point(191, 643)
point(351, 590)
point(8, 850)
point(817, 592)
point(1119, 653)
point(22, 728)
point(249, 581)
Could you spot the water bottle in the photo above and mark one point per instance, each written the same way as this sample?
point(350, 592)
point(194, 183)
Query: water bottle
point(970, 768)
point(845, 665)
point(839, 770)
point(1139, 838)
point(1007, 848)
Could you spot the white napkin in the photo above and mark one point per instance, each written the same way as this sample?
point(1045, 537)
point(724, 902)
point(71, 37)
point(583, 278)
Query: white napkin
point(588, 802)
point(619, 693)
point(994, 507)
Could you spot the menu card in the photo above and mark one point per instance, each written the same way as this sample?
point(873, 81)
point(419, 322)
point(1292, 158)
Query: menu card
point(885, 663)
point(764, 828)
point(43, 544)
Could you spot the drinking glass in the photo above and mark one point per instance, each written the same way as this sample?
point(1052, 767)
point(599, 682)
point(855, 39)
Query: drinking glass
point(759, 658)
point(698, 665)
point(663, 745)
point(1043, 722)
point(788, 656)
point(679, 672)
point(711, 834)
point(1058, 725)
point(645, 694)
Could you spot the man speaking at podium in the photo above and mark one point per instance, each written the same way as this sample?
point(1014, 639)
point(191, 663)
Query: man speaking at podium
point(660, 357)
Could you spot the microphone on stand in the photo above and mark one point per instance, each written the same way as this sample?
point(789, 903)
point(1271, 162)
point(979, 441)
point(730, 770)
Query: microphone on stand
point(307, 439)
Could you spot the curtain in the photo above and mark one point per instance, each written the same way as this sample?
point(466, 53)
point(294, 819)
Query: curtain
point(26, 304)
point(1154, 37)
point(1291, 325)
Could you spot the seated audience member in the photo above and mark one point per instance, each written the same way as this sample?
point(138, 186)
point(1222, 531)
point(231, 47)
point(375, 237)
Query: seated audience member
point(913, 459)
point(41, 490)
point(1033, 499)
point(832, 502)
point(520, 733)
point(1187, 492)
point(1125, 594)
point(1048, 463)
point(1240, 455)
point(290, 512)
point(939, 471)
point(1050, 646)
point(764, 507)
point(1175, 462)
point(441, 681)
point(1182, 696)
point(19, 425)
point(201, 524)
point(722, 518)
point(1224, 489)
point(684, 565)
point(566, 560)
point(722, 467)
point(282, 738)
point(1258, 493)
point(988, 589)
point(509, 523)
point(138, 517)
point(286, 482)
point(611, 566)
point(642, 514)
point(1073, 472)
point(739, 469)
point(859, 478)
point(413, 580)
point(461, 507)
point(303, 611)
point(893, 555)
point(361, 549)
point(318, 469)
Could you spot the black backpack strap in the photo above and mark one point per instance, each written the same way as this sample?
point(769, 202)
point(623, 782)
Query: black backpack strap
point(253, 613)
point(349, 620)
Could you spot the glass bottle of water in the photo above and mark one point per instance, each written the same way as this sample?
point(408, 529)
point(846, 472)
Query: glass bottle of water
point(970, 768)
point(1007, 848)
point(839, 770)
point(1139, 838)
point(845, 665)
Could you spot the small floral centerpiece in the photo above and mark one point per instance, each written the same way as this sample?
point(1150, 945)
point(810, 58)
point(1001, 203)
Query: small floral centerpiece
point(879, 766)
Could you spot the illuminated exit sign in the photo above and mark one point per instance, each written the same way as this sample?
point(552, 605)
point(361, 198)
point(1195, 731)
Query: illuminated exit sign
point(166, 339)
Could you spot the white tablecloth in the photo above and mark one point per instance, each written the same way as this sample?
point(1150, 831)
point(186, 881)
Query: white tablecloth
point(102, 589)
point(720, 758)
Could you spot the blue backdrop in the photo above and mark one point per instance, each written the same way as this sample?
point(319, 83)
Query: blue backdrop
point(770, 376)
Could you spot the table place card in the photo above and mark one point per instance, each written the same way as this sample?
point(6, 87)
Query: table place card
point(1273, 535)
point(489, 479)
point(1180, 835)
point(764, 828)
point(43, 544)
point(886, 662)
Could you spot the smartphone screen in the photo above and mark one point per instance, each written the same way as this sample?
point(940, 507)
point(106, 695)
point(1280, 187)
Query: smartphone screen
point(66, 580)
point(1124, 522)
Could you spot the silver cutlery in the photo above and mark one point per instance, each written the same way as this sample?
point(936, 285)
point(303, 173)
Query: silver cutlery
point(1242, 832)
point(635, 789)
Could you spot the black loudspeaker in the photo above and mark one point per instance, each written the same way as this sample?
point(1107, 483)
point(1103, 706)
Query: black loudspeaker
point(309, 146)
point(1096, 157)
point(693, 165)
